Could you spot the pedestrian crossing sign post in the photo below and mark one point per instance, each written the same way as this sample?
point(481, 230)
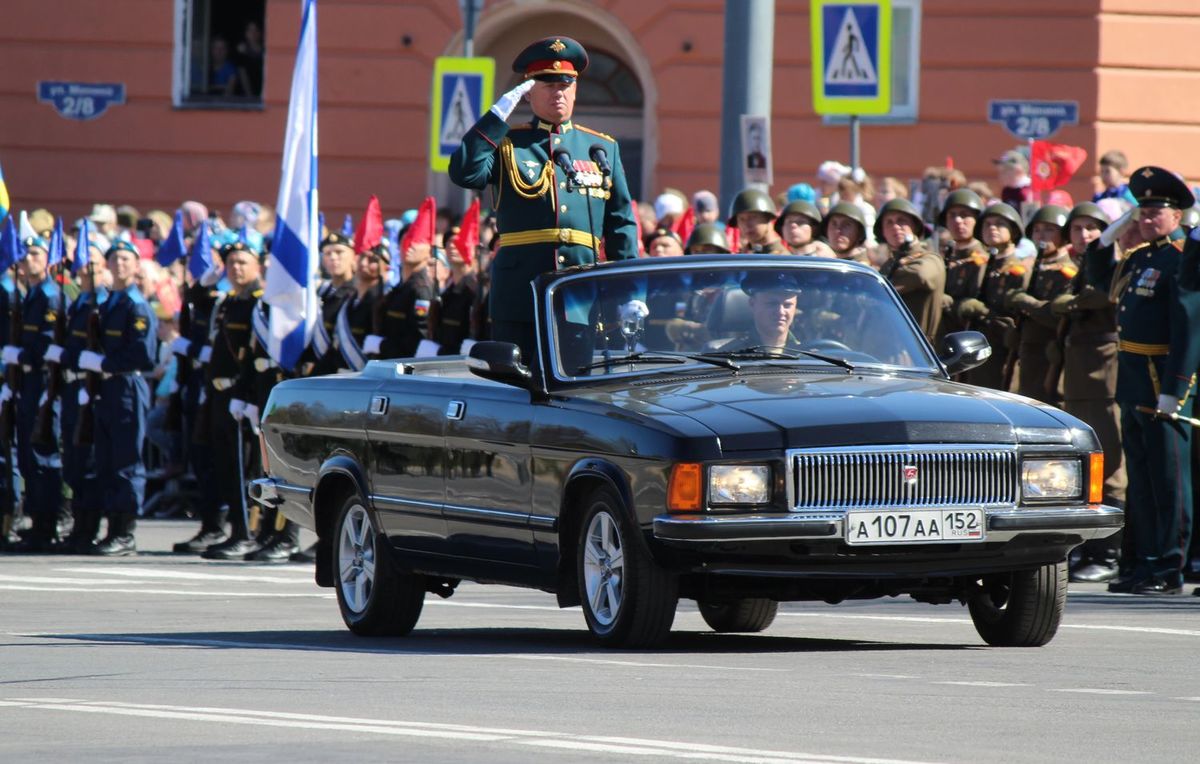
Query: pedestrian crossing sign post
point(462, 90)
point(851, 56)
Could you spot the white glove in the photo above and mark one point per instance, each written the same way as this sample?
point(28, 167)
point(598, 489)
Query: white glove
point(212, 275)
point(45, 397)
point(1168, 404)
point(1114, 231)
point(5, 394)
point(252, 414)
point(205, 354)
point(11, 354)
point(508, 102)
point(54, 354)
point(83, 397)
point(372, 344)
point(634, 310)
point(90, 361)
point(237, 408)
point(180, 345)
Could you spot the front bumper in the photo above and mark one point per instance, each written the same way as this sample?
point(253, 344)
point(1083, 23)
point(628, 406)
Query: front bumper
point(1004, 524)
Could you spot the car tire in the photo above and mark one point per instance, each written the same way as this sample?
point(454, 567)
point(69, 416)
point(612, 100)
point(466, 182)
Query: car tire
point(747, 615)
point(376, 600)
point(1021, 609)
point(628, 599)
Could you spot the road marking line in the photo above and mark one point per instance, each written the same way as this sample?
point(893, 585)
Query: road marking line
point(1101, 691)
point(188, 592)
point(65, 580)
point(968, 622)
point(537, 738)
point(986, 684)
point(1192, 699)
point(887, 676)
point(1134, 629)
point(134, 571)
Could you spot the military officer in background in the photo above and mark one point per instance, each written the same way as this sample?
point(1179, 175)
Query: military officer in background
point(965, 256)
point(1089, 380)
point(1037, 328)
point(753, 215)
point(797, 225)
point(558, 188)
point(1156, 289)
point(128, 349)
point(917, 272)
point(338, 262)
point(40, 463)
point(1000, 229)
point(845, 229)
point(231, 332)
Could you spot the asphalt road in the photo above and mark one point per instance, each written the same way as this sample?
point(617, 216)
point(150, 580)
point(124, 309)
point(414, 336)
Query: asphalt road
point(169, 658)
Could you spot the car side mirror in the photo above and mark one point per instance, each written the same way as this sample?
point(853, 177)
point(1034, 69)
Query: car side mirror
point(961, 351)
point(499, 362)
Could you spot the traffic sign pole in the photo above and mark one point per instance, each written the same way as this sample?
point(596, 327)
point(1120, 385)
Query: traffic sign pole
point(854, 142)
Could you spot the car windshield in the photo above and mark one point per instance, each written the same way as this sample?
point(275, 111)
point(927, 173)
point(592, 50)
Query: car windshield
point(628, 321)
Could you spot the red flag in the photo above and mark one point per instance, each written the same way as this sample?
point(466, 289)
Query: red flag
point(468, 233)
point(733, 237)
point(422, 229)
point(684, 225)
point(370, 228)
point(1052, 164)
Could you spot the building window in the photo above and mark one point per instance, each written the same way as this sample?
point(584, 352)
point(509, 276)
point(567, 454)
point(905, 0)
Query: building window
point(219, 53)
point(906, 66)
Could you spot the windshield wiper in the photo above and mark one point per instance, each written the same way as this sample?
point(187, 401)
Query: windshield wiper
point(767, 352)
point(659, 356)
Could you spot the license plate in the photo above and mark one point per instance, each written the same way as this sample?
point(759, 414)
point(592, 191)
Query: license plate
point(914, 526)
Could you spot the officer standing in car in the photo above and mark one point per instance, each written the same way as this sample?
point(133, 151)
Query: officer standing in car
point(558, 188)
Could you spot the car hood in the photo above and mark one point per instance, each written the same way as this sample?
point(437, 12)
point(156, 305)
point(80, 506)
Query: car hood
point(753, 412)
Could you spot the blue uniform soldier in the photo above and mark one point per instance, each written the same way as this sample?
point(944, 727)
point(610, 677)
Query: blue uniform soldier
point(9, 295)
point(558, 188)
point(128, 344)
point(1157, 294)
point(41, 466)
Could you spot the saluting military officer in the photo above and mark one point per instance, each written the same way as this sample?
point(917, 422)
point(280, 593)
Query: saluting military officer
point(1053, 272)
point(128, 349)
point(558, 188)
point(41, 465)
point(917, 272)
point(231, 332)
point(1157, 292)
point(966, 258)
point(753, 215)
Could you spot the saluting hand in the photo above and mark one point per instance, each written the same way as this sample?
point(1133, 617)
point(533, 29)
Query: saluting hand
point(504, 107)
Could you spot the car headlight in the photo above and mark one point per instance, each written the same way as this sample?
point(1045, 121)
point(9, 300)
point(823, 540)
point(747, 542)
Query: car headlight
point(1051, 478)
point(739, 484)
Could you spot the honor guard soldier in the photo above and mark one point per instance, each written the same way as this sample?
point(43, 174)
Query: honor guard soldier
point(917, 272)
point(1053, 272)
point(753, 214)
point(408, 307)
point(1155, 289)
point(10, 295)
point(128, 349)
point(41, 465)
point(231, 332)
point(79, 463)
point(361, 316)
point(999, 229)
point(845, 229)
point(1089, 381)
point(797, 225)
point(558, 188)
point(458, 298)
point(338, 262)
point(966, 258)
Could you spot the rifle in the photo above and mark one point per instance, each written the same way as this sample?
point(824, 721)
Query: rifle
point(43, 428)
point(85, 427)
point(1010, 360)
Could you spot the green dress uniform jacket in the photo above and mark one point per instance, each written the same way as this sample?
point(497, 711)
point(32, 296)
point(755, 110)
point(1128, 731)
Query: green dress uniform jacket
point(543, 225)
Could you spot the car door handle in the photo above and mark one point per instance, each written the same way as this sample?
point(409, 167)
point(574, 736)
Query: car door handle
point(379, 405)
point(455, 410)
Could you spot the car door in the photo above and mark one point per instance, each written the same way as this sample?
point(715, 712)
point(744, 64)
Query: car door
point(489, 484)
point(405, 427)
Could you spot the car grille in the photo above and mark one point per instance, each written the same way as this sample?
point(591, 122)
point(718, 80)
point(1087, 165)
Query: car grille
point(903, 477)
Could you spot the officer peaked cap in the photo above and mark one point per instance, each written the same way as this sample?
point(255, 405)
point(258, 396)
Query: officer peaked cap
point(552, 59)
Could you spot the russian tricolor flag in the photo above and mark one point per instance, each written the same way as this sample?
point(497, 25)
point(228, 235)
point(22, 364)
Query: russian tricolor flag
point(291, 288)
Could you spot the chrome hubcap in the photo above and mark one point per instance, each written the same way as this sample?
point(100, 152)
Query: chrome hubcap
point(603, 568)
point(356, 558)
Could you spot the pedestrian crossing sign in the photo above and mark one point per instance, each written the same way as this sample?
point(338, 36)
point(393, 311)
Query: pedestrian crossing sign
point(462, 91)
point(851, 56)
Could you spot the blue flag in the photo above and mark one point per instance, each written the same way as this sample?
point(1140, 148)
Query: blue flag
point(3, 196)
point(10, 245)
point(348, 226)
point(291, 288)
point(200, 258)
point(57, 244)
point(172, 247)
point(83, 248)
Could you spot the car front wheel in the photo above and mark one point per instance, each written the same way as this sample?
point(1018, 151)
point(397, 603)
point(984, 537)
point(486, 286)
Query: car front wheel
point(628, 600)
point(375, 599)
point(1021, 609)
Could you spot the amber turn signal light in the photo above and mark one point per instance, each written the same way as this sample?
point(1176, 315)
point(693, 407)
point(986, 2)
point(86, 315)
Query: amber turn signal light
point(1096, 477)
point(685, 489)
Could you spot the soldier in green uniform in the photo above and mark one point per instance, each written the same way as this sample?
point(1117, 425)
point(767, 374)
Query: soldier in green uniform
point(1156, 289)
point(707, 239)
point(965, 256)
point(797, 225)
point(917, 272)
point(753, 214)
point(1038, 325)
point(1000, 229)
point(558, 188)
point(845, 229)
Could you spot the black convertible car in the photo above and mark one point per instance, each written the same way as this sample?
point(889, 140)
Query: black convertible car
point(738, 430)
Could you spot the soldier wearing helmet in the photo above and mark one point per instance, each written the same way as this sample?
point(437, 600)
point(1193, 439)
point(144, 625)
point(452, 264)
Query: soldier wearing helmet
point(798, 225)
point(1053, 272)
point(707, 239)
point(845, 230)
point(966, 258)
point(753, 214)
point(917, 272)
